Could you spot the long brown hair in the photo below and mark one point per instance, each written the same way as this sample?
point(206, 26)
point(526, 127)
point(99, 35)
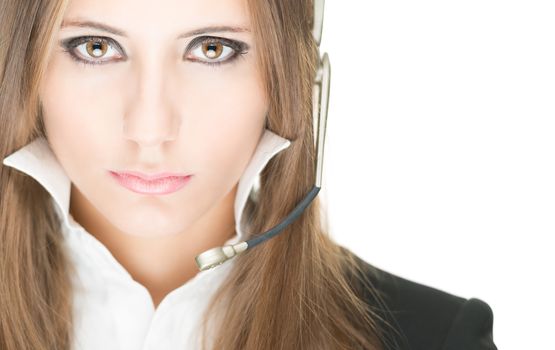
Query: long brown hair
point(292, 292)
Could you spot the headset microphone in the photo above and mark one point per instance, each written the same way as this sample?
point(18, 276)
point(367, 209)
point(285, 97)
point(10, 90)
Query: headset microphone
point(216, 256)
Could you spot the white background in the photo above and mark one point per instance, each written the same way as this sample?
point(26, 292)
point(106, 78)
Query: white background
point(440, 150)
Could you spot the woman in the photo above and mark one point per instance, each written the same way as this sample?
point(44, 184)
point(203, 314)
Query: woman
point(138, 135)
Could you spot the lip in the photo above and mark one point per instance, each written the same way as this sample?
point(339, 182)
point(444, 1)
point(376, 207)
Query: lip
point(153, 184)
point(149, 176)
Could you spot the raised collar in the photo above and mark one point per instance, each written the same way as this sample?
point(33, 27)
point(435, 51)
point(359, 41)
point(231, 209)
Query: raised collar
point(37, 160)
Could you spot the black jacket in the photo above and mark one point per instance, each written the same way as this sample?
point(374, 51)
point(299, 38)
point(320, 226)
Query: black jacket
point(427, 318)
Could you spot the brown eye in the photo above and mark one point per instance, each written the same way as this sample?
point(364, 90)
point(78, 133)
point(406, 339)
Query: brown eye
point(96, 48)
point(212, 49)
point(93, 50)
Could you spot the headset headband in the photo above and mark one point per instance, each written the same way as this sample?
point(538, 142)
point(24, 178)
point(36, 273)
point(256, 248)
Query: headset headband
point(318, 20)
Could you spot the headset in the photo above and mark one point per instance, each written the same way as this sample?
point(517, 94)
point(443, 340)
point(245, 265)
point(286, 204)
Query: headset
point(320, 97)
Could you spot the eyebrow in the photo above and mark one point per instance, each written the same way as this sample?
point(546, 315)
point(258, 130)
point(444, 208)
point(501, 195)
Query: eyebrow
point(116, 31)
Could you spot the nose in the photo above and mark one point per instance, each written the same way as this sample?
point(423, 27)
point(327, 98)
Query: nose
point(150, 118)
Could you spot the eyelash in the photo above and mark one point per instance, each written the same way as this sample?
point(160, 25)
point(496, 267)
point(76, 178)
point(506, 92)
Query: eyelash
point(240, 48)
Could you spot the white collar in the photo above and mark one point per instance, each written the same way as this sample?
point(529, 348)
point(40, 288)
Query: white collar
point(37, 160)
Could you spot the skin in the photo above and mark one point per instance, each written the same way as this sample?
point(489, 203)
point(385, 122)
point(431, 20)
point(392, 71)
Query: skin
point(152, 108)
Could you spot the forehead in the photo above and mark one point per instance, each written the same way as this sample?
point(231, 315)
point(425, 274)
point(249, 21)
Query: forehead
point(161, 17)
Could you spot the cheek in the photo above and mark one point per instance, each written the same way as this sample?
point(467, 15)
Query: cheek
point(74, 114)
point(79, 100)
point(224, 115)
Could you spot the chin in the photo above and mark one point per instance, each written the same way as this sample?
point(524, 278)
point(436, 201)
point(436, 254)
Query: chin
point(149, 225)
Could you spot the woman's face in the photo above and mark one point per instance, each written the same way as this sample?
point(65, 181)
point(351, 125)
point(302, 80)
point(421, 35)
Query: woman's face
point(159, 98)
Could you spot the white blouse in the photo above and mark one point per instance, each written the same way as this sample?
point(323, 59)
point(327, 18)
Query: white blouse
point(111, 309)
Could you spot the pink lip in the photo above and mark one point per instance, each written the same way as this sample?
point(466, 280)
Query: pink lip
point(162, 183)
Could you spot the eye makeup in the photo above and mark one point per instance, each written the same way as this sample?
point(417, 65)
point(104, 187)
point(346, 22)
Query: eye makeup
point(238, 49)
